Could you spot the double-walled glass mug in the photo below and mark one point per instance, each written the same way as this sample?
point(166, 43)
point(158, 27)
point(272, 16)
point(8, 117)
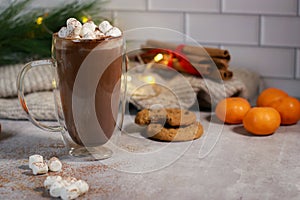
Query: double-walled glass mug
point(89, 85)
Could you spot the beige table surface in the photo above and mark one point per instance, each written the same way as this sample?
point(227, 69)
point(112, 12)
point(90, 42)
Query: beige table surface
point(225, 163)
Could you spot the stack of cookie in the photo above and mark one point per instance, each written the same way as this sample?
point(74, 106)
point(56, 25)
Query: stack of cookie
point(171, 124)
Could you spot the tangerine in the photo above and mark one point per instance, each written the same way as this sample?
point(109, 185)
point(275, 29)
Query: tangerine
point(262, 120)
point(232, 110)
point(289, 110)
point(269, 95)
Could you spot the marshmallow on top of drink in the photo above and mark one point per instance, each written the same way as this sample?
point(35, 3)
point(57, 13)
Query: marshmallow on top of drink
point(88, 30)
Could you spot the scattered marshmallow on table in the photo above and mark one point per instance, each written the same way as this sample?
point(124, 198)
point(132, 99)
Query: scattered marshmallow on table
point(70, 192)
point(82, 186)
point(39, 168)
point(69, 181)
point(56, 188)
point(35, 158)
point(50, 180)
point(54, 164)
point(65, 188)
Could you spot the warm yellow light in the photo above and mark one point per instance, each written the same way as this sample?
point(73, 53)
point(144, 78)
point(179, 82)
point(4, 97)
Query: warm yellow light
point(158, 57)
point(149, 79)
point(84, 19)
point(39, 20)
point(54, 85)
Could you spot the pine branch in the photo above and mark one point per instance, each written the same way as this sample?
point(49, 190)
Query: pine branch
point(24, 39)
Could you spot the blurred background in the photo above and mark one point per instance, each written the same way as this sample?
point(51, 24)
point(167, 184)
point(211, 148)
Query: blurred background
point(261, 35)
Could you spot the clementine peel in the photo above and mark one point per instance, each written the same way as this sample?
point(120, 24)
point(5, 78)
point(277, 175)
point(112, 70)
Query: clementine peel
point(289, 110)
point(269, 95)
point(262, 120)
point(232, 110)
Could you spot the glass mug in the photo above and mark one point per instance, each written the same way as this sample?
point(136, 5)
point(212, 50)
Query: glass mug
point(89, 89)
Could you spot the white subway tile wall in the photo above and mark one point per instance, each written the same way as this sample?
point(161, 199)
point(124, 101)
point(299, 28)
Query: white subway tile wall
point(268, 62)
point(298, 64)
point(261, 35)
point(126, 5)
point(280, 31)
point(129, 20)
point(298, 8)
point(187, 5)
point(278, 7)
point(228, 29)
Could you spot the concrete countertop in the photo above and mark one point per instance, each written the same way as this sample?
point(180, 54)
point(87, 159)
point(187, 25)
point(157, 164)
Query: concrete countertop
point(225, 163)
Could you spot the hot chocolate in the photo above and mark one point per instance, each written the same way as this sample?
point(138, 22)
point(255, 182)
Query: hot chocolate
point(75, 57)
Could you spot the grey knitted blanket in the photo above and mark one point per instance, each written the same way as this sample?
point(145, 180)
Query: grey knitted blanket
point(41, 102)
point(37, 87)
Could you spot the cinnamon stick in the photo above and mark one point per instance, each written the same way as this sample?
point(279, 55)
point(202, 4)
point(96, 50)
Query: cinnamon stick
point(205, 60)
point(188, 49)
point(219, 53)
point(204, 65)
point(203, 69)
point(206, 70)
point(220, 74)
point(220, 63)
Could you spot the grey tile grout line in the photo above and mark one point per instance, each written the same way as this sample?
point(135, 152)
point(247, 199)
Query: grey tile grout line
point(296, 70)
point(147, 5)
point(114, 16)
point(185, 27)
point(298, 8)
point(259, 30)
point(221, 6)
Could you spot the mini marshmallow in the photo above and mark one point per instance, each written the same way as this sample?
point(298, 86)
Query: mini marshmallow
point(35, 158)
point(73, 27)
point(73, 23)
point(90, 25)
point(70, 20)
point(73, 34)
point(54, 164)
point(82, 186)
point(56, 189)
point(39, 168)
point(62, 33)
point(68, 181)
point(70, 192)
point(50, 180)
point(105, 26)
point(89, 36)
point(98, 34)
point(65, 188)
point(84, 31)
point(88, 30)
point(114, 32)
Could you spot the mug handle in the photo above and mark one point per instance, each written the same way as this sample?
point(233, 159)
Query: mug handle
point(20, 87)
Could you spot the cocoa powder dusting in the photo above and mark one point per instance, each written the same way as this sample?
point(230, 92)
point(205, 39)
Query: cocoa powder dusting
point(16, 176)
